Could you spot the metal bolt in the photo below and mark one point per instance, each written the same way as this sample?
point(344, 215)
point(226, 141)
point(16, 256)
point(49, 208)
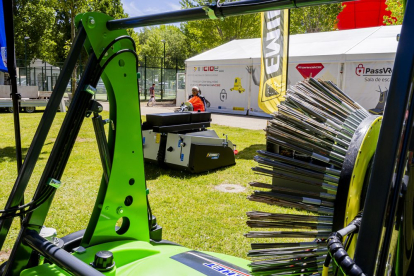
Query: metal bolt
point(120, 210)
point(91, 20)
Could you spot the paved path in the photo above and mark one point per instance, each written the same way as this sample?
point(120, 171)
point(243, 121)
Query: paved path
point(246, 122)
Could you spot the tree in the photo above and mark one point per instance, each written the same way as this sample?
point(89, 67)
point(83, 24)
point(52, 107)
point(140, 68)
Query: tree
point(206, 34)
point(33, 19)
point(153, 47)
point(321, 18)
point(65, 23)
point(397, 9)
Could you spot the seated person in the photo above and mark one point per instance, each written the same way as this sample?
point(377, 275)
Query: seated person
point(196, 100)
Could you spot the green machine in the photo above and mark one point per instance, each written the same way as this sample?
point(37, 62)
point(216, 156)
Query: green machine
point(122, 236)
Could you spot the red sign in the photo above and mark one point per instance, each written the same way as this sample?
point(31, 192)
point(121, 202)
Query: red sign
point(309, 69)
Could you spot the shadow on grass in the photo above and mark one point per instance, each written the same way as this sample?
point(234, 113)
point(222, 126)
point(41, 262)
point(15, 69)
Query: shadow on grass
point(9, 154)
point(153, 171)
point(249, 152)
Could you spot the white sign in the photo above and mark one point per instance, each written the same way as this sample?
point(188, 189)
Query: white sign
point(226, 87)
point(368, 82)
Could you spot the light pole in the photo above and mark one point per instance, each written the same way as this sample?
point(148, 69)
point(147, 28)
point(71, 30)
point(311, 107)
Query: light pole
point(162, 69)
point(25, 55)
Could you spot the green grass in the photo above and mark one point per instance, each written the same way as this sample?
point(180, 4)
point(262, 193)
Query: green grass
point(191, 212)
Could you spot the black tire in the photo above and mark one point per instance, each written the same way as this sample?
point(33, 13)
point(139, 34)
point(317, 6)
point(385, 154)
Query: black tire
point(30, 109)
point(9, 109)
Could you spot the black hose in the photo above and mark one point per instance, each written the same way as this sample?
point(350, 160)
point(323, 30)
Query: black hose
point(338, 253)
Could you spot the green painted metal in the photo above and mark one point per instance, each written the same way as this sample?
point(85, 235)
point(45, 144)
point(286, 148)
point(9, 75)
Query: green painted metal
point(125, 142)
point(137, 258)
point(133, 252)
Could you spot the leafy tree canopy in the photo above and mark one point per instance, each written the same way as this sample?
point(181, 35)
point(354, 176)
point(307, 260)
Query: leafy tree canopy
point(152, 45)
point(314, 19)
point(206, 34)
point(397, 8)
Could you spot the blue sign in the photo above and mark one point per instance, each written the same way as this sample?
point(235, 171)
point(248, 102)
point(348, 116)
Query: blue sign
point(3, 47)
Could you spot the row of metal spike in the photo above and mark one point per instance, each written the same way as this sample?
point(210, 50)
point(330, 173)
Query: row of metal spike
point(312, 130)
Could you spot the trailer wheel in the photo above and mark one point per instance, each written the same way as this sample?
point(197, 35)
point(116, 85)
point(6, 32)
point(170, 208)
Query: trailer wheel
point(10, 109)
point(29, 109)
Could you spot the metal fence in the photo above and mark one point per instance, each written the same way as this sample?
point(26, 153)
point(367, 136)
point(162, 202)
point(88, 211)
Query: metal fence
point(165, 79)
point(151, 70)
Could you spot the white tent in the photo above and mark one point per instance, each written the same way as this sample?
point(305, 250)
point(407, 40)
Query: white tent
point(360, 61)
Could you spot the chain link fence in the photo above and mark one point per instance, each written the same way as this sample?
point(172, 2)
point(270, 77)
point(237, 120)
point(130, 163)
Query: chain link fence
point(151, 70)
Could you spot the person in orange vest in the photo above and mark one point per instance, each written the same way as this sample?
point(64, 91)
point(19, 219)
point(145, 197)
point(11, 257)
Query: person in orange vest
point(196, 100)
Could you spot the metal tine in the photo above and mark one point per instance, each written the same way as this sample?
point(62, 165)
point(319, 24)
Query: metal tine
point(303, 192)
point(297, 268)
point(294, 113)
point(302, 273)
point(305, 270)
point(305, 145)
point(317, 113)
point(347, 99)
point(322, 109)
point(287, 109)
point(321, 88)
point(289, 225)
point(303, 203)
point(278, 252)
point(303, 141)
point(256, 215)
point(287, 234)
point(298, 141)
point(295, 169)
point(339, 91)
point(300, 163)
point(296, 178)
point(361, 112)
point(326, 102)
point(322, 101)
point(289, 128)
point(304, 126)
point(277, 260)
point(314, 244)
point(317, 103)
point(307, 152)
point(288, 256)
point(328, 108)
point(285, 201)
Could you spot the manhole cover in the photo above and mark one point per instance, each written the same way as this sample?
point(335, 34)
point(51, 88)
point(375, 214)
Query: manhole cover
point(230, 188)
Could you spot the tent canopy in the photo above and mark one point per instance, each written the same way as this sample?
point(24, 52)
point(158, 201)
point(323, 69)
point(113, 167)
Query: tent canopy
point(377, 43)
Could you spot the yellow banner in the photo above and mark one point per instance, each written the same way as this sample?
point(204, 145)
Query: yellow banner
point(274, 62)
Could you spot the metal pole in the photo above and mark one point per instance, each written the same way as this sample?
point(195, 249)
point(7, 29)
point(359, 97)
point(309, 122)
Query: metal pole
point(145, 78)
point(11, 68)
point(43, 83)
point(25, 59)
point(211, 11)
point(176, 79)
point(165, 75)
point(42, 131)
point(46, 76)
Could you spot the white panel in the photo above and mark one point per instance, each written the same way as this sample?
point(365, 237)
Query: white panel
point(364, 81)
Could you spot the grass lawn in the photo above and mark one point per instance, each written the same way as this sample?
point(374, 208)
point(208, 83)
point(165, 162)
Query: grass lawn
point(188, 207)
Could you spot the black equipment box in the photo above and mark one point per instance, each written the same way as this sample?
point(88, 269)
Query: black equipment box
point(168, 119)
point(173, 119)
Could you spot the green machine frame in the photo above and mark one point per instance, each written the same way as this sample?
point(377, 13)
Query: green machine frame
point(123, 191)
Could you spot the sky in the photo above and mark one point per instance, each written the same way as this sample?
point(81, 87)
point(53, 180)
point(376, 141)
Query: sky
point(146, 7)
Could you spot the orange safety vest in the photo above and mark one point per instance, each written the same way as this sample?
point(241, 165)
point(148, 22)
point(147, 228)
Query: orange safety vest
point(197, 103)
